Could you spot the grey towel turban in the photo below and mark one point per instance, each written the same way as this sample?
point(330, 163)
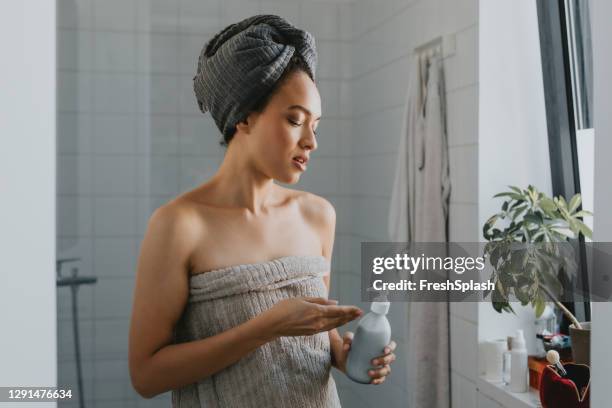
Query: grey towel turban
point(241, 64)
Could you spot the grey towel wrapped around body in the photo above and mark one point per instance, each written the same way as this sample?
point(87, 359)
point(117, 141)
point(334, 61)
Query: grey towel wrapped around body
point(292, 371)
point(242, 63)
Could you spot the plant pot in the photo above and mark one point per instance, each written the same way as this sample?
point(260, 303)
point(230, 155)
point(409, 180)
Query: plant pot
point(581, 343)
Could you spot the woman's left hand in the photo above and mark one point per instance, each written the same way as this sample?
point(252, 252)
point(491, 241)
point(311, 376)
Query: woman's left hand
point(381, 365)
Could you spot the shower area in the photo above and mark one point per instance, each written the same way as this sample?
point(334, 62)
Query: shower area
point(130, 137)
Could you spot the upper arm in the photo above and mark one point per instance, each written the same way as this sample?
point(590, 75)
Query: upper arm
point(322, 215)
point(161, 287)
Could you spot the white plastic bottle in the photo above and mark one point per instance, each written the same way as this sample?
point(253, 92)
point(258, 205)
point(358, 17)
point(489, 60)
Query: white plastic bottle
point(372, 335)
point(519, 369)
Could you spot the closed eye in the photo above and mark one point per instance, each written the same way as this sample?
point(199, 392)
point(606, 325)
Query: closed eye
point(296, 124)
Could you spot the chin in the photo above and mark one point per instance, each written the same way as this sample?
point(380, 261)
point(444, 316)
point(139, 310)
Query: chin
point(289, 179)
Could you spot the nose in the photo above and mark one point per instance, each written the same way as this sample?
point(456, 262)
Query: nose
point(309, 142)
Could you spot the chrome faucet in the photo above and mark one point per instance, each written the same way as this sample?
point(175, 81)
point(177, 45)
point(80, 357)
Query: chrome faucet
point(74, 281)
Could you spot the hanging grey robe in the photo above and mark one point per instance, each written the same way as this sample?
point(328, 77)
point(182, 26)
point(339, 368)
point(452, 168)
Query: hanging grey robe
point(419, 213)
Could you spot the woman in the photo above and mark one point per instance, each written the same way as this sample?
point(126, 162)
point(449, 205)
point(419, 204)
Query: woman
point(261, 331)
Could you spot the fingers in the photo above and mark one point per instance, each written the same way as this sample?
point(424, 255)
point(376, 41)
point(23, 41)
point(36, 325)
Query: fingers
point(378, 375)
point(347, 340)
point(390, 347)
point(388, 357)
point(380, 380)
point(320, 300)
point(332, 323)
point(383, 360)
point(339, 311)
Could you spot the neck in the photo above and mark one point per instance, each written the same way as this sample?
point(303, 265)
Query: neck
point(238, 183)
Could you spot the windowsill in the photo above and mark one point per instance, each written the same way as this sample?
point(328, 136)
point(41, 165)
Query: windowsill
point(500, 393)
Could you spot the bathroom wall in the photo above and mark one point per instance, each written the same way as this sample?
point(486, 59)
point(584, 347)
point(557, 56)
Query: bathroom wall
point(518, 121)
point(27, 188)
point(512, 115)
point(382, 38)
point(130, 137)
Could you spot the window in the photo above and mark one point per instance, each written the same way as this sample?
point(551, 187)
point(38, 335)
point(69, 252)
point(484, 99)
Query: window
point(565, 43)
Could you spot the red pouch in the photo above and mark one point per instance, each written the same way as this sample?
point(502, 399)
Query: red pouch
point(571, 391)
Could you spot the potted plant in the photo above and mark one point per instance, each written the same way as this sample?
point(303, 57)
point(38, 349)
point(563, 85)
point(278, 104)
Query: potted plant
point(528, 260)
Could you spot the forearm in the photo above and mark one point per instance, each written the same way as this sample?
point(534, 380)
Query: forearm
point(177, 365)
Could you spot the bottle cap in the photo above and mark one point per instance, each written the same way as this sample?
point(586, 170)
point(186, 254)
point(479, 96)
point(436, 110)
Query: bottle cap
point(518, 342)
point(380, 307)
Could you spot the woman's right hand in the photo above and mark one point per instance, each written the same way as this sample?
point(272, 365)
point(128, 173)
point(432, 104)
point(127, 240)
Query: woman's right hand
point(305, 316)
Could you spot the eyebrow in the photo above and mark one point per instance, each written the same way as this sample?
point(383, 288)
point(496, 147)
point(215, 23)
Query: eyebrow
point(300, 107)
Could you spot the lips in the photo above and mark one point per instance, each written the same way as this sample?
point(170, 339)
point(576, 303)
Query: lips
point(300, 162)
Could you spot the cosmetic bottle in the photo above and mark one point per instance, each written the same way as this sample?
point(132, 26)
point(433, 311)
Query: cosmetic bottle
point(373, 334)
point(519, 369)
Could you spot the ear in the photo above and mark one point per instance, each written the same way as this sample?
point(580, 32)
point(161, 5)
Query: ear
point(243, 126)
point(246, 124)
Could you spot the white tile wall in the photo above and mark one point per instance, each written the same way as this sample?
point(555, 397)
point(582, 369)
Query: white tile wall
point(114, 257)
point(74, 50)
point(74, 174)
point(159, 53)
point(118, 15)
point(156, 16)
point(464, 359)
point(463, 163)
point(158, 135)
point(74, 132)
point(462, 68)
point(200, 17)
point(463, 392)
point(114, 134)
point(288, 9)
point(114, 51)
point(74, 91)
point(74, 14)
point(114, 92)
point(461, 120)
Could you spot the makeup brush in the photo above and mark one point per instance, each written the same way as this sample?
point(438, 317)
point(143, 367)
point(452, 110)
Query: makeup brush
point(553, 358)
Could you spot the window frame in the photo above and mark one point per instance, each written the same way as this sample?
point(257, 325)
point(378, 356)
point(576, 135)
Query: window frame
point(561, 125)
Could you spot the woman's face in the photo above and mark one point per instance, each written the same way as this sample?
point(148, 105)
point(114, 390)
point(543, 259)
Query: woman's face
point(281, 138)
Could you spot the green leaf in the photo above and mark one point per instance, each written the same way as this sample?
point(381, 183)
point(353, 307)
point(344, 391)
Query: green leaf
point(574, 203)
point(532, 217)
point(511, 195)
point(585, 230)
point(548, 205)
point(573, 224)
point(502, 194)
point(487, 291)
point(518, 211)
point(561, 203)
point(540, 305)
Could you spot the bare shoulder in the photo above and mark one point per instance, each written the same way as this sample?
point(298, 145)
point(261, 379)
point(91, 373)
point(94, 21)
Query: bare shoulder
point(177, 220)
point(316, 210)
point(320, 214)
point(176, 215)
